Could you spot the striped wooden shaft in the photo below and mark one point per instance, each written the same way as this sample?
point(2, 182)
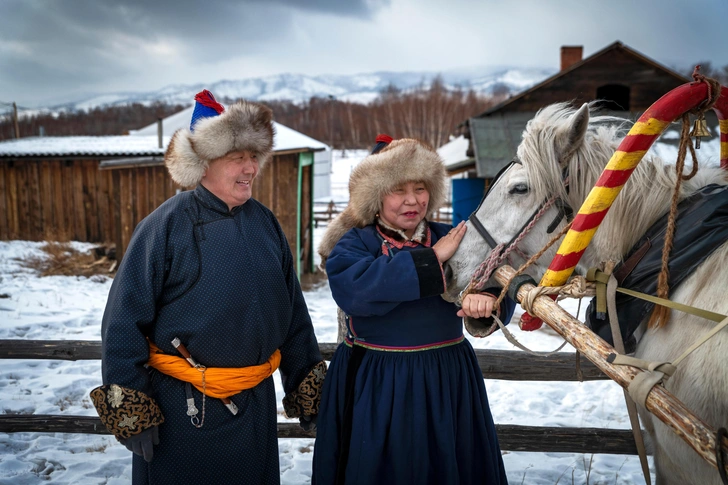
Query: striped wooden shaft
point(629, 153)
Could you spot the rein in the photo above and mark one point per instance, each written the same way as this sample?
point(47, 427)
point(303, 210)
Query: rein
point(502, 252)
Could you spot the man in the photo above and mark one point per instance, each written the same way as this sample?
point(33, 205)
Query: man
point(208, 275)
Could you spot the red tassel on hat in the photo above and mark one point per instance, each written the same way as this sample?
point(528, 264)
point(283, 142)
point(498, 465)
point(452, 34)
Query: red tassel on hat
point(383, 138)
point(382, 141)
point(206, 98)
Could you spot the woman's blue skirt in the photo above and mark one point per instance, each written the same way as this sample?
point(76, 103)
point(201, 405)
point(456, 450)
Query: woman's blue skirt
point(419, 418)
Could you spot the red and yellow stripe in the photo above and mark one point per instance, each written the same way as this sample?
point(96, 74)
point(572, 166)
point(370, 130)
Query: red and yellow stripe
point(629, 153)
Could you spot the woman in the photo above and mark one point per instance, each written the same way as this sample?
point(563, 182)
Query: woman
point(404, 399)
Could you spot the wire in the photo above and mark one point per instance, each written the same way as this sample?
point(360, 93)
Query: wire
point(18, 107)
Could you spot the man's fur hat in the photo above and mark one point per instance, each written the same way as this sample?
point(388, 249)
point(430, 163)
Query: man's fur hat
point(214, 133)
point(402, 161)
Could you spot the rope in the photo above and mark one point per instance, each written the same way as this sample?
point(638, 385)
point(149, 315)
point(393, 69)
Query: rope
point(512, 339)
point(528, 263)
point(500, 253)
point(661, 314)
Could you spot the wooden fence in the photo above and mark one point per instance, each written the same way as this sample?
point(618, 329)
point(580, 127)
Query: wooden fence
point(495, 364)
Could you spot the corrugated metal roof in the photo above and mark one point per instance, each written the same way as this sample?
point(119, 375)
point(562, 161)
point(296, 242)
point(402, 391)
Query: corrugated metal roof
point(87, 146)
point(495, 140)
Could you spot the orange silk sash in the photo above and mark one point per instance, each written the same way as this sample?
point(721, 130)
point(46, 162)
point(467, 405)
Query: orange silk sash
point(220, 382)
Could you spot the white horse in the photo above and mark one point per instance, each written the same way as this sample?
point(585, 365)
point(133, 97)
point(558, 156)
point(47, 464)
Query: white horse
point(559, 136)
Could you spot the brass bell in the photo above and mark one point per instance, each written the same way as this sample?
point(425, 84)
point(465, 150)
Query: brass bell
point(700, 130)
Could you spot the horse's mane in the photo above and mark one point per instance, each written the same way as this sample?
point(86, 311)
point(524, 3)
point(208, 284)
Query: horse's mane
point(645, 197)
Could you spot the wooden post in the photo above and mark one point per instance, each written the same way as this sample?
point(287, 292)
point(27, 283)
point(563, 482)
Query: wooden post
point(15, 120)
point(666, 407)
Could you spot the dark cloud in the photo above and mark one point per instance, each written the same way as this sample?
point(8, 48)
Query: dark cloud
point(54, 48)
point(356, 8)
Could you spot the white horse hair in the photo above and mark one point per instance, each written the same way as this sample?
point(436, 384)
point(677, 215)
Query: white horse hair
point(558, 135)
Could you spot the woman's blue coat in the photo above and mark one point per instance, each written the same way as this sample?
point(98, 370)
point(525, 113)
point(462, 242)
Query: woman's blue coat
point(420, 416)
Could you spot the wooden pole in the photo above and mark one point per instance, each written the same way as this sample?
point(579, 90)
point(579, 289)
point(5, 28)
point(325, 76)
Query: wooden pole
point(666, 407)
point(15, 120)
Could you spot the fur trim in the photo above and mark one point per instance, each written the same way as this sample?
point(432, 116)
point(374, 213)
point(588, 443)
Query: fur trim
point(405, 160)
point(398, 235)
point(243, 126)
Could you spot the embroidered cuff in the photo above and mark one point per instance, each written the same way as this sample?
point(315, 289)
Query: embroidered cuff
point(305, 400)
point(429, 272)
point(125, 412)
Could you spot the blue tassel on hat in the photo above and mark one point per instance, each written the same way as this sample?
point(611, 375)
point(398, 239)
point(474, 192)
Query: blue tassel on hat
point(205, 107)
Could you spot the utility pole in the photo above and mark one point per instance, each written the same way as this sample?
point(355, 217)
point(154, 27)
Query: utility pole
point(15, 120)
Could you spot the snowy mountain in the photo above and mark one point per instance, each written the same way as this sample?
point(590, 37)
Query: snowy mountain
point(298, 87)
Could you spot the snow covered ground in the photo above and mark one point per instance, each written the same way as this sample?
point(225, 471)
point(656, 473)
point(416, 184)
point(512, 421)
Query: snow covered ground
point(57, 308)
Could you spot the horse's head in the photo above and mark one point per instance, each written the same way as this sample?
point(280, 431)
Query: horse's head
point(514, 203)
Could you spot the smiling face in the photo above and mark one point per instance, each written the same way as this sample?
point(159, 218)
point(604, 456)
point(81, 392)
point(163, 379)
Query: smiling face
point(405, 207)
point(230, 177)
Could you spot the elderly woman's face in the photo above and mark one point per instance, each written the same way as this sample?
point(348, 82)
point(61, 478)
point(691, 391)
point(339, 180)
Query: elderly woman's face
point(405, 207)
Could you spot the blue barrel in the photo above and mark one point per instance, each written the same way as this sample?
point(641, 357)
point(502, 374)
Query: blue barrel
point(466, 195)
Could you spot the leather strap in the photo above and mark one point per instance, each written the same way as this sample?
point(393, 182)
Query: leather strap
point(631, 407)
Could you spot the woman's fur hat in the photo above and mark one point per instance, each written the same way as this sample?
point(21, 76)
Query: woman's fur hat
point(402, 161)
point(215, 132)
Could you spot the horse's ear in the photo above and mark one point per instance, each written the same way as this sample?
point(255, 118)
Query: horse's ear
point(578, 125)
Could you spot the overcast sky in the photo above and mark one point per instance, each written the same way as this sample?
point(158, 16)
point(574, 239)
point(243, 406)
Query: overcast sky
point(58, 49)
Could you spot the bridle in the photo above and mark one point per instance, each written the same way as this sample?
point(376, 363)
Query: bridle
point(501, 252)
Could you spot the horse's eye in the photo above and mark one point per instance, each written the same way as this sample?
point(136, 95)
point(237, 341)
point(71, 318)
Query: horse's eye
point(519, 189)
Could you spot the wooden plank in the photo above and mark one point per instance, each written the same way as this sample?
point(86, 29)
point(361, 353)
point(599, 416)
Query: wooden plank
point(69, 214)
point(141, 199)
point(46, 194)
point(126, 210)
point(90, 196)
point(59, 226)
point(106, 215)
point(79, 208)
point(510, 437)
point(4, 230)
point(495, 364)
point(158, 182)
point(34, 198)
point(12, 201)
point(23, 201)
point(116, 207)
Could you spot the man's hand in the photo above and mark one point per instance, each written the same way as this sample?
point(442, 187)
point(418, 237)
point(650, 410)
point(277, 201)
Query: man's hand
point(142, 443)
point(308, 423)
point(447, 245)
point(477, 305)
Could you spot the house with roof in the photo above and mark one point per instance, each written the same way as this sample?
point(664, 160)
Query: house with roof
point(625, 81)
point(98, 188)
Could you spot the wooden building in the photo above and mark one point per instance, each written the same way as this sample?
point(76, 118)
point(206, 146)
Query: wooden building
point(97, 189)
point(626, 81)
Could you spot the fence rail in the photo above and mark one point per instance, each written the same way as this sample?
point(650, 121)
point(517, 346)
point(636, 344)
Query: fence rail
point(495, 364)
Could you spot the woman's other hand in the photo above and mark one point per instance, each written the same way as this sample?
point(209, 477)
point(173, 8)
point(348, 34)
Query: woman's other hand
point(447, 245)
point(477, 305)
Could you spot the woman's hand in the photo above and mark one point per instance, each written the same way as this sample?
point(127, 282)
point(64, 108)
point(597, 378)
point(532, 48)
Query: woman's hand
point(447, 245)
point(477, 305)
